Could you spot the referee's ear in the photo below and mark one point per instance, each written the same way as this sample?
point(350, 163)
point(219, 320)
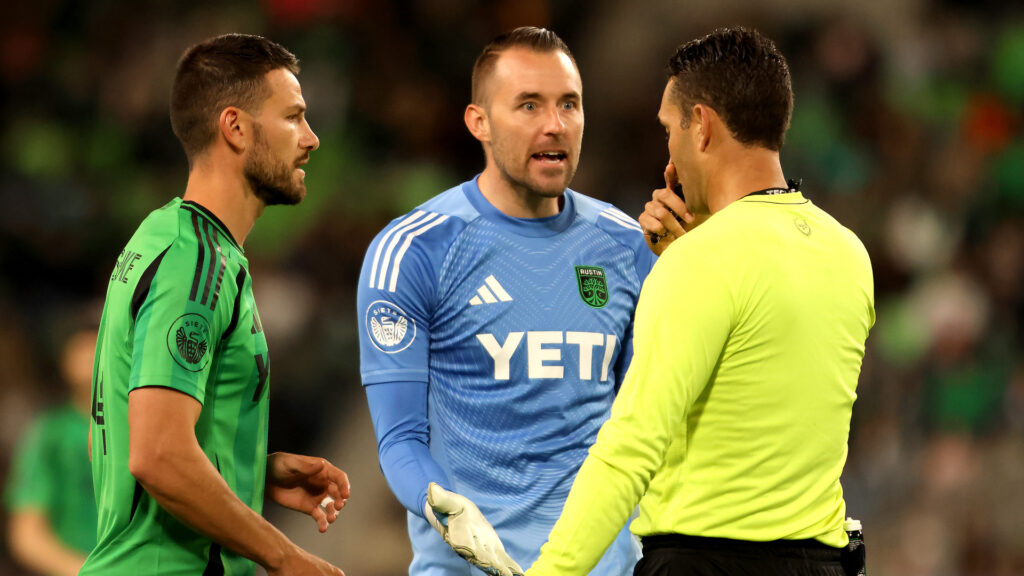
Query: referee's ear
point(477, 122)
point(234, 127)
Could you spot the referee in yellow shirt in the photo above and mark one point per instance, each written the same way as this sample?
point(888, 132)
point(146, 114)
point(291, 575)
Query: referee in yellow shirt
point(731, 427)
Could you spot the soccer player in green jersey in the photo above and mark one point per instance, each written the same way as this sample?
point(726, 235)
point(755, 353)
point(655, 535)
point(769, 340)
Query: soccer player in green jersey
point(181, 378)
point(731, 427)
point(52, 513)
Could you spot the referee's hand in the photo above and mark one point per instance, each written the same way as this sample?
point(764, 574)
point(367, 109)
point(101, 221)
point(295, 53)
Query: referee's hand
point(665, 216)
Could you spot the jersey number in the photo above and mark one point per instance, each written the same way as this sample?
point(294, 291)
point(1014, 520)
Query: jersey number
point(263, 367)
point(97, 411)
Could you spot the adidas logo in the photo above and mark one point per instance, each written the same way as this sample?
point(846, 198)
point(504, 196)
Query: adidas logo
point(490, 293)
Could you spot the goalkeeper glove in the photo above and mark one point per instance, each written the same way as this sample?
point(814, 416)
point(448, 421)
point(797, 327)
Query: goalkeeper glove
point(468, 532)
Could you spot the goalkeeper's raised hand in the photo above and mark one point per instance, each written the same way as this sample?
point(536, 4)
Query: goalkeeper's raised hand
point(468, 532)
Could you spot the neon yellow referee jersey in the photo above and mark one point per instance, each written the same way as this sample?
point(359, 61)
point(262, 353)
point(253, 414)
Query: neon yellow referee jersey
point(734, 416)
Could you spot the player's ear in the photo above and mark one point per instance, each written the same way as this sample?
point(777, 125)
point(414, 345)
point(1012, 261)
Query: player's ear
point(234, 127)
point(702, 120)
point(477, 122)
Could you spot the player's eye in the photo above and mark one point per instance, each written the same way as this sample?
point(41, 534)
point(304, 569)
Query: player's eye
point(529, 106)
point(569, 106)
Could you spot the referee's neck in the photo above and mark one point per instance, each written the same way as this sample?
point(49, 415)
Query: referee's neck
point(740, 172)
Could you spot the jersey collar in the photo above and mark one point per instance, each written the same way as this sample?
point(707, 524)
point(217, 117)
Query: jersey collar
point(203, 211)
point(535, 227)
point(789, 198)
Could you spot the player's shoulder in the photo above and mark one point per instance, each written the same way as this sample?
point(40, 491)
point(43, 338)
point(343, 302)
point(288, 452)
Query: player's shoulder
point(184, 248)
point(157, 241)
point(433, 225)
point(181, 229)
point(418, 239)
point(159, 228)
point(189, 235)
point(610, 219)
point(448, 209)
point(453, 203)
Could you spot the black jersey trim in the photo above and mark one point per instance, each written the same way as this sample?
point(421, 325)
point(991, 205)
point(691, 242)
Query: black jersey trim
point(210, 267)
point(775, 202)
point(239, 282)
point(213, 218)
point(200, 259)
point(220, 270)
point(263, 368)
point(136, 497)
point(214, 564)
point(145, 282)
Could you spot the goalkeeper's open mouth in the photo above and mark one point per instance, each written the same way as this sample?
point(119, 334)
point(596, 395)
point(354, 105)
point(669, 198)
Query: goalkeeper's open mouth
point(552, 157)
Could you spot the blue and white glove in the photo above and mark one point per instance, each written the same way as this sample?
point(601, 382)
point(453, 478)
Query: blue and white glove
point(468, 532)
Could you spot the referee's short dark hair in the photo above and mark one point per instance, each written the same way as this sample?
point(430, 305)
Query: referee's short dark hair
point(530, 37)
point(224, 71)
point(742, 76)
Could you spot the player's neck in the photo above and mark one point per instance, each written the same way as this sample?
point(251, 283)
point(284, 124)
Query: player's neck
point(515, 201)
point(737, 175)
point(227, 196)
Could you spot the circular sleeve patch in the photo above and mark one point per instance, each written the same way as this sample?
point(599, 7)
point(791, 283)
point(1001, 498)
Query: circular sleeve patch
point(188, 341)
point(390, 329)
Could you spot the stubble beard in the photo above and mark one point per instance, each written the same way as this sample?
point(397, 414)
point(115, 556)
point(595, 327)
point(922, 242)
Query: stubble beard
point(271, 180)
point(523, 182)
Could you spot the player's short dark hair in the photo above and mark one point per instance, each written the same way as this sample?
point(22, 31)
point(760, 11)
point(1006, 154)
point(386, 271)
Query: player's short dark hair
point(531, 37)
point(224, 71)
point(742, 76)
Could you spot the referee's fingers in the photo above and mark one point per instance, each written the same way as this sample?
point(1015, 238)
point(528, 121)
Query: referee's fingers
point(672, 202)
point(660, 218)
point(655, 235)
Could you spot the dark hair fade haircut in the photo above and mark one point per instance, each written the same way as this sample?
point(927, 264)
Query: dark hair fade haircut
point(742, 76)
point(224, 71)
point(531, 37)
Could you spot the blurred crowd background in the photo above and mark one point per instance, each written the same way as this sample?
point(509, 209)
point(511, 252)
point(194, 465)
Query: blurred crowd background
point(908, 128)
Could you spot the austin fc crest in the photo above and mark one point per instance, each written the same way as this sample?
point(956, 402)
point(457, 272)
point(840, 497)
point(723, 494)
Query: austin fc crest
point(593, 285)
point(390, 329)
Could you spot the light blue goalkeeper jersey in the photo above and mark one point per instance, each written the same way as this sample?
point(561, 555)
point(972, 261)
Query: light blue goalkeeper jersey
point(520, 332)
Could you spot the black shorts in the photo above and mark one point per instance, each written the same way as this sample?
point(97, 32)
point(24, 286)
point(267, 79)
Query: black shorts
point(679, 555)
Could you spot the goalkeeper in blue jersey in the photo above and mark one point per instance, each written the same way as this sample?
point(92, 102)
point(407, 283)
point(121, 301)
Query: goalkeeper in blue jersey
point(496, 325)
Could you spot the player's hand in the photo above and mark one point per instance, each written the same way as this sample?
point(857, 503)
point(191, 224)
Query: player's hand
point(468, 532)
point(301, 563)
point(307, 484)
point(666, 216)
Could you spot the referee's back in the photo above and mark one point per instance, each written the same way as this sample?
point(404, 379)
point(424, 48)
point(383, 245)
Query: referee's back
point(777, 298)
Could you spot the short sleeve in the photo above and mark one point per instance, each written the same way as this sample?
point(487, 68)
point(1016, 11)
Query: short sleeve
point(176, 329)
point(396, 298)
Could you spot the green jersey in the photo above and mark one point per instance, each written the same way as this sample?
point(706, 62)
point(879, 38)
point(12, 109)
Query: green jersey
point(179, 314)
point(50, 473)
